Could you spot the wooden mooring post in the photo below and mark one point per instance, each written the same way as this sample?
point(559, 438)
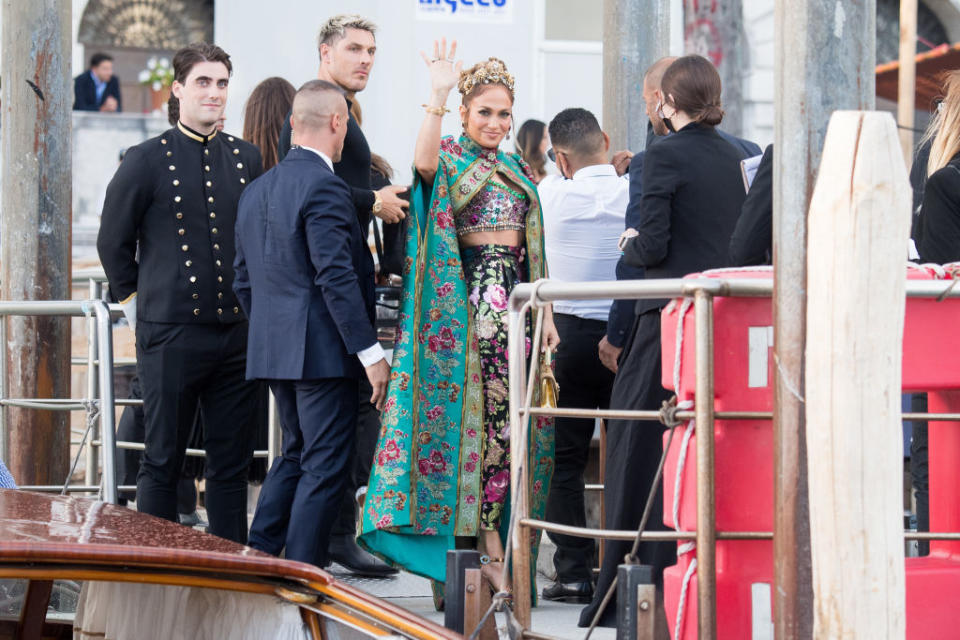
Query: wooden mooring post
point(858, 227)
point(36, 96)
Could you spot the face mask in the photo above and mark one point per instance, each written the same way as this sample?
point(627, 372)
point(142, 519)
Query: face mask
point(665, 119)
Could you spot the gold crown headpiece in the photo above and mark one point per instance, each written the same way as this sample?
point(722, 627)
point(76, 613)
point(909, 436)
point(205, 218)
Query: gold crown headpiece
point(493, 71)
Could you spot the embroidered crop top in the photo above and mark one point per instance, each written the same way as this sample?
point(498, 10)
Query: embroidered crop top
point(496, 207)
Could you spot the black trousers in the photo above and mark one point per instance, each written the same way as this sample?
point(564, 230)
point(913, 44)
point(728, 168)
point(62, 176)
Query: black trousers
point(304, 488)
point(131, 428)
point(183, 367)
point(586, 384)
point(633, 454)
point(367, 430)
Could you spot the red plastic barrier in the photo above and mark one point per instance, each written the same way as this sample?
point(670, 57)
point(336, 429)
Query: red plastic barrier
point(743, 363)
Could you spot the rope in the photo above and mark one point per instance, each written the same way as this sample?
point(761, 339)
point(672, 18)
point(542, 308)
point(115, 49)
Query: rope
point(92, 408)
point(678, 627)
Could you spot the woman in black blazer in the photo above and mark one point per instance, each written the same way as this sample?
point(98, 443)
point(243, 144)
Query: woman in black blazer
point(692, 195)
point(939, 234)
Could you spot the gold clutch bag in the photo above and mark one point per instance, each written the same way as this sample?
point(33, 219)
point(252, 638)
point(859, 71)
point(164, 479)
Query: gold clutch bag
point(549, 389)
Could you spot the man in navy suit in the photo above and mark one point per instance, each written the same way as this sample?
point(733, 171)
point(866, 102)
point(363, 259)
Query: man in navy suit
point(97, 89)
point(303, 277)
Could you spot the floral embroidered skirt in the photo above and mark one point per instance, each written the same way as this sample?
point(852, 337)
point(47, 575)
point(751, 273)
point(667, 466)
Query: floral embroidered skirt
point(491, 271)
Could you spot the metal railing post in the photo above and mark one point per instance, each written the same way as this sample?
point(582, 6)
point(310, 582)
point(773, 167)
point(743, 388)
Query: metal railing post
point(706, 507)
point(107, 403)
point(90, 474)
point(517, 359)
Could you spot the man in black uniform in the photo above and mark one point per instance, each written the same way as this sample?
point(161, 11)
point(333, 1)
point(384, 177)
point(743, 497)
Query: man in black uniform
point(174, 198)
point(347, 48)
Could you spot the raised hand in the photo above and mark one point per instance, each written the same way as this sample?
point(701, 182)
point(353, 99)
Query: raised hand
point(444, 73)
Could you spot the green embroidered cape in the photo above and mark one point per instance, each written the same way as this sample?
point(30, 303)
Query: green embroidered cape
point(424, 488)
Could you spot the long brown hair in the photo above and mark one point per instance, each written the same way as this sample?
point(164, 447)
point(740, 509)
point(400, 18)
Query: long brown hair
point(267, 108)
point(692, 85)
point(945, 126)
point(529, 138)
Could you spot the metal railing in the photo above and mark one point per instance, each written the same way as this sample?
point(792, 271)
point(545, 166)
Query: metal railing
point(528, 296)
point(98, 404)
point(99, 443)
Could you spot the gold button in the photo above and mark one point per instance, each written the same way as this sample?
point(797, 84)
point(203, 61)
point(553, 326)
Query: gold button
point(206, 168)
point(218, 262)
point(169, 153)
point(212, 215)
point(184, 247)
point(193, 278)
point(206, 152)
point(172, 168)
point(163, 141)
point(216, 247)
point(179, 216)
point(176, 183)
point(219, 312)
point(236, 309)
point(239, 165)
point(181, 231)
point(236, 152)
point(189, 263)
point(209, 184)
point(177, 199)
point(196, 295)
point(210, 199)
point(220, 296)
point(230, 138)
point(219, 278)
point(214, 231)
point(196, 312)
point(243, 181)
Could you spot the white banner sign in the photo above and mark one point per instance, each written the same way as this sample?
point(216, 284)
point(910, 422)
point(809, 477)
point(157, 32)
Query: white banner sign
point(466, 10)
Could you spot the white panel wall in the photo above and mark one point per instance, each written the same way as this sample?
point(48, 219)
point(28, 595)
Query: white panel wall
point(282, 41)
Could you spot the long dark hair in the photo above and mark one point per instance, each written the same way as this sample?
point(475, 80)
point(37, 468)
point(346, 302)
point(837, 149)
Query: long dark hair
point(267, 107)
point(529, 138)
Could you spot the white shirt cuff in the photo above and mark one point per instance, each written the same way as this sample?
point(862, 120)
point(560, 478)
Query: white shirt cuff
point(371, 355)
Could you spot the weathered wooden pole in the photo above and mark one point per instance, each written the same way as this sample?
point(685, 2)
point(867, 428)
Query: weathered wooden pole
point(636, 33)
point(824, 61)
point(907, 77)
point(858, 229)
point(36, 100)
point(715, 31)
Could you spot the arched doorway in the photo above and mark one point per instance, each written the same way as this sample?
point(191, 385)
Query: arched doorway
point(132, 31)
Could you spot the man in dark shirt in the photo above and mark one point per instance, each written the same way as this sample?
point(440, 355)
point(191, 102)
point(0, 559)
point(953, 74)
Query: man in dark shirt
point(347, 48)
point(174, 200)
point(97, 89)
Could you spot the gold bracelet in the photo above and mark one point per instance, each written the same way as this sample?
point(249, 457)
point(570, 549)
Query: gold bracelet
point(437, 111)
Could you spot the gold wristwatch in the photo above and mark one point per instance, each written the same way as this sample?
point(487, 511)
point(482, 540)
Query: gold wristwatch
point(377, 203)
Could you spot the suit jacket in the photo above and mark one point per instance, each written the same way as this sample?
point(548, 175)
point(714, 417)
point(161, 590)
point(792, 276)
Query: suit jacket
point(303, 273)
point(939, 239)
point(692, 195)
point(752, 240)
point(85, 93)
point(174, 201)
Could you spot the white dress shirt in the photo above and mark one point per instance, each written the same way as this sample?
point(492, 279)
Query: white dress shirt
point(374, 353)
point(582, 221)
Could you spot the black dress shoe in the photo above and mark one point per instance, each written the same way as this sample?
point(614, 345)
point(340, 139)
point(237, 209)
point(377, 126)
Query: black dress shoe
point(575, 592)
point(344, 551)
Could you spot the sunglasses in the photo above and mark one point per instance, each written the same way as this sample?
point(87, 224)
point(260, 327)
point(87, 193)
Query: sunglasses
point(552, 155)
